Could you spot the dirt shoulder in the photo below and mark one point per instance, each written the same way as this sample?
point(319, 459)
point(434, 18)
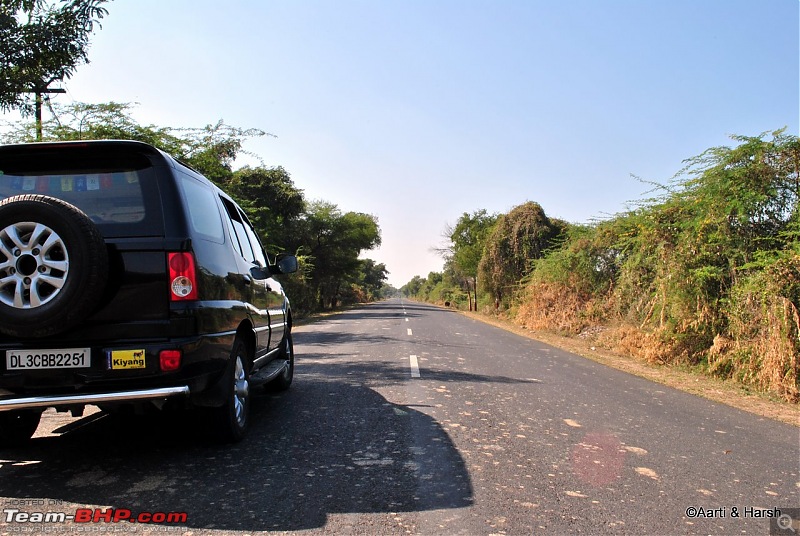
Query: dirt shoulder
point(714, 389)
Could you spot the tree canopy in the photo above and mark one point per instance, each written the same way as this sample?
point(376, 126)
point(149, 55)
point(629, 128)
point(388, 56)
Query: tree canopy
point(41, 43)
point(211, 149)
point(271, 200)
point(467, 239)
point(519, 237)
point(333, 241)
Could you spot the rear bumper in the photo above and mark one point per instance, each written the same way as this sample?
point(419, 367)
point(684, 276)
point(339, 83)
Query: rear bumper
point(92, 398)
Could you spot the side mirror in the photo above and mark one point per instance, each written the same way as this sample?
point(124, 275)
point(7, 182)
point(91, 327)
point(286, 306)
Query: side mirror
point(284, 264)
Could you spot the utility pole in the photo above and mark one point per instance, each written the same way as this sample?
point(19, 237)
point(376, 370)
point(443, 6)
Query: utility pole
point(39, 92)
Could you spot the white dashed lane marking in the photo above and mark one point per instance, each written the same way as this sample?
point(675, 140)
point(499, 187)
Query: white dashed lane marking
point(409, 332)
point(414, 367)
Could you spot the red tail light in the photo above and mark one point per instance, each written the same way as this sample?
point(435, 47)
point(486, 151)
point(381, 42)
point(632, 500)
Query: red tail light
point(182, 276)
point(169, 360)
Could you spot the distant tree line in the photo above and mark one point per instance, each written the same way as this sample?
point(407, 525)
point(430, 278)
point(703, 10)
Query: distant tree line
point(327, 241)
point(705, 274)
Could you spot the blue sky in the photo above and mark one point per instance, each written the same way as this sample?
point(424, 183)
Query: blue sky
point(419, 110)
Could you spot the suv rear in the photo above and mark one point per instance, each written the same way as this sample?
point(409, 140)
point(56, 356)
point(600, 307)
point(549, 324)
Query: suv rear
point(127, 278)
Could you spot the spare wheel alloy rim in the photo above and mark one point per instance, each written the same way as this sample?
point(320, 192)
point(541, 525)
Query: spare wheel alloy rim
point(34, 265)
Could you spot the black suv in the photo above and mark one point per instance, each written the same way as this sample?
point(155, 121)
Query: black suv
point(127, 278)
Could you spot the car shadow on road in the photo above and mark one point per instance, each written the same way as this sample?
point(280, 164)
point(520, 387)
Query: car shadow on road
point(388, 373)
point(330, 338)
point(386, 310)
point(324, 447)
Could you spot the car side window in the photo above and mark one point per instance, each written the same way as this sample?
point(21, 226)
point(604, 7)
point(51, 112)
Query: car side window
point(234, 240)
point(255, 243)
point(203, 212)
point(239, 227)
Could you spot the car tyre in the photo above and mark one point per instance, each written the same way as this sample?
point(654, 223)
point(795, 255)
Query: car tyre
point(284, 380)
point(53, 266)
point(17, 427)
point(232, 419)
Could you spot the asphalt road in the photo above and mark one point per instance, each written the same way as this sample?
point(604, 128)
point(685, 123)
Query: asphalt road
point(410, 419)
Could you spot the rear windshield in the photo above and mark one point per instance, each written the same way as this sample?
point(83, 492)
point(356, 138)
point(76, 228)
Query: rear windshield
point(109, 190)
point(114, 197)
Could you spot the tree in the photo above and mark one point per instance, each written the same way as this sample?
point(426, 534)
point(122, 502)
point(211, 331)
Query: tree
point(467, 239)
point(211, 150)
point(272, 202)
point(83, 121)
point(334, 242)
point(412, 288)
point(372, 277)
point(519, 237)
point(41, 44)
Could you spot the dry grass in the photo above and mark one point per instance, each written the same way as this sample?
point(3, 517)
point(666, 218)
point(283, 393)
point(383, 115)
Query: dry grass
point(556, 307)
point(760, 347)
point(765, 353)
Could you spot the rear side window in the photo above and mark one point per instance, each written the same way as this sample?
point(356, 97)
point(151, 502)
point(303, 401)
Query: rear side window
point(203, 211)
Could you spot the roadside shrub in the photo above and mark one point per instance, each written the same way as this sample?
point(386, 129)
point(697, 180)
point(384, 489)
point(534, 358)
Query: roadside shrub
point(764, 330)
point(707, 274)
point(568, 288)
point(515, 241)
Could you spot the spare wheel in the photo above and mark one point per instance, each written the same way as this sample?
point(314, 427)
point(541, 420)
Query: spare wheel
point(53, 265)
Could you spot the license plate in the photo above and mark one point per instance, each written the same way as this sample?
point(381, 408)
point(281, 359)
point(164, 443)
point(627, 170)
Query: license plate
point(48, 359)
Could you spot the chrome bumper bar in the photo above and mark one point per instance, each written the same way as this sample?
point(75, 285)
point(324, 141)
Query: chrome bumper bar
point(91, 398)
